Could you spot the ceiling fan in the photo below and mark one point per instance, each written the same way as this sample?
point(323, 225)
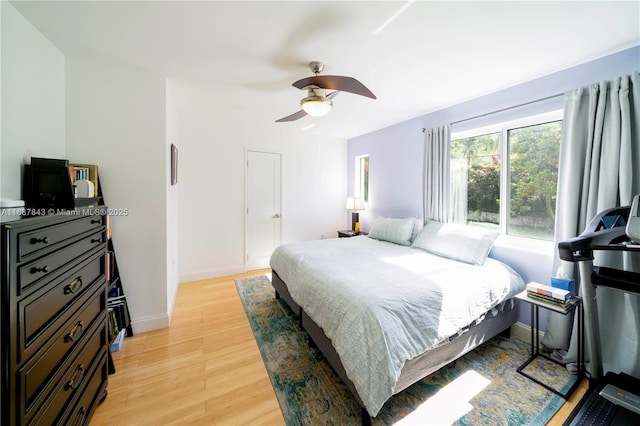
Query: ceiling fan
point(318, 102)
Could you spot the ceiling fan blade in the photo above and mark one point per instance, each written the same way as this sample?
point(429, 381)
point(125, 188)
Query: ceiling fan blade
point(336, 82)
point(292, 117)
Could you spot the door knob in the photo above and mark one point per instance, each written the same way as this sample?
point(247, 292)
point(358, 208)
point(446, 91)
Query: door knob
point(276, 216)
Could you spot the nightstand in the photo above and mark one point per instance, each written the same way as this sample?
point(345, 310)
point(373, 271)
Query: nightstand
point(575, 304)
point(347, 233)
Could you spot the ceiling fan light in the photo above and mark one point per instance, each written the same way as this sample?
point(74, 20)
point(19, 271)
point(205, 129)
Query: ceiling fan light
point(316, 106)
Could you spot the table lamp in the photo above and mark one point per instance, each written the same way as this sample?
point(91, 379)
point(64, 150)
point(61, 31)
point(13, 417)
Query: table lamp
point(355, 204)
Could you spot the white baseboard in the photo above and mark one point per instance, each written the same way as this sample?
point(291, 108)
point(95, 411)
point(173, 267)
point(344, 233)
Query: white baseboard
point(142, 325)
point(212, 273)
point(523, 332)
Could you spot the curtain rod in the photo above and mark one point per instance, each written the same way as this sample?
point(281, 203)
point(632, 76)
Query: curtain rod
point(504, 109)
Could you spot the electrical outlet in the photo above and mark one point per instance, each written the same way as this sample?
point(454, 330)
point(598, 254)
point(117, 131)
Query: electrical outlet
point(323, 237)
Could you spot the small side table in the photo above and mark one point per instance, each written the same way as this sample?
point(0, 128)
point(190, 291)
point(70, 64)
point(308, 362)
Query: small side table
point(575, 304)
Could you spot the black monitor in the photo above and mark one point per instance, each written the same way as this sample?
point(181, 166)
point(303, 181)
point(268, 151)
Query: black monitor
point(47, 187)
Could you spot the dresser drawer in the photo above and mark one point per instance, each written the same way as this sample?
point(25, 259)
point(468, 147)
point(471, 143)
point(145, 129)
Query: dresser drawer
point(70, 379)
point(42, 313)
point(42, 366)
point(45, 239)
point(40, 271)
point(80, 412)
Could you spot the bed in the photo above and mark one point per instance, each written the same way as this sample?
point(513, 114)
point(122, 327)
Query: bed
point(388, 309)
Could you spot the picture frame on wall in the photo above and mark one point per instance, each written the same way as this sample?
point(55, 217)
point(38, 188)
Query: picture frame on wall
point(174, 164)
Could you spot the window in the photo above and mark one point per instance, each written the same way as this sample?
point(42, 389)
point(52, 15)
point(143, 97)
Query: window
point(362, 177)
point(475, 179)
point(533, 178)
point(506, 177)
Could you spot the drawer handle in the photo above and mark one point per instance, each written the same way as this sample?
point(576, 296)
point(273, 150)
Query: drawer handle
point(44, 240)
point(96, 221)
point(74, 286)
point(74, 383)
point(80, 416)
point(75, 334)
point(96, 240)
point(44, 269)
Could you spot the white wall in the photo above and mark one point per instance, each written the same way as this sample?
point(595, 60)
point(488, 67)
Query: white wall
point(94, 110)
point(33, 99)
point(116, 119)
point(212, 186)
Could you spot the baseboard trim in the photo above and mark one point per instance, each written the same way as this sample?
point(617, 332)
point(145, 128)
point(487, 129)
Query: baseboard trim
point(142, 325)
point(523, 332)
point(212, 273)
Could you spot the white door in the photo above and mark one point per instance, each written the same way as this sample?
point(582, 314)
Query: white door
point(263, 210)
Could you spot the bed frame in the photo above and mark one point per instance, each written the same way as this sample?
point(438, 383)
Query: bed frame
point(416, 368)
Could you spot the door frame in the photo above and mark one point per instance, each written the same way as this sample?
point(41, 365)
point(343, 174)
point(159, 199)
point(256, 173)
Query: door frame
point(246, 197)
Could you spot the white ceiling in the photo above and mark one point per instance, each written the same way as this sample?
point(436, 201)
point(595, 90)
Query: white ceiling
point(434, 55)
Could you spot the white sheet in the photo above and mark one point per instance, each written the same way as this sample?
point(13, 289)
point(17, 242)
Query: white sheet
point(382, 304)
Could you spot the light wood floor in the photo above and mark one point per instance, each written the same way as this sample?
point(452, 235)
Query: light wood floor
point(205, 369)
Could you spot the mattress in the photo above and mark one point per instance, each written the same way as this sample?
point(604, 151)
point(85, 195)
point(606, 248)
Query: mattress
point(382, 304)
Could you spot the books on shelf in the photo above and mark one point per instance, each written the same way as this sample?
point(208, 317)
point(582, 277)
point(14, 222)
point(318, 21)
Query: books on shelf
point(548, 294)
point(86, 172)
point(113, 292)
point(118, 314)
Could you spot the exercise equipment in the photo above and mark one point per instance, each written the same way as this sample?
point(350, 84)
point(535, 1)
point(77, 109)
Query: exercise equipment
point(615, 398)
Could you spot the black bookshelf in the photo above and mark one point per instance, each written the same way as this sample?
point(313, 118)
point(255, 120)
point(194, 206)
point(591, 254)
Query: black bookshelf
point(118, 316)
point(116, 299)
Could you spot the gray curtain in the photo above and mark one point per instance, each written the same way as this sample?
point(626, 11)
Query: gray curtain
point(600, 169)
point(437, 146)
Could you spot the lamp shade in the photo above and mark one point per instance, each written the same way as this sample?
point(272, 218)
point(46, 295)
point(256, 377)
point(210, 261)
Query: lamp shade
point(316, 106)
point(355, 203)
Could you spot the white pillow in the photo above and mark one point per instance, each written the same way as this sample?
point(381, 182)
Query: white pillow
point(417, 227)
point(464, 243)
point(393, 230)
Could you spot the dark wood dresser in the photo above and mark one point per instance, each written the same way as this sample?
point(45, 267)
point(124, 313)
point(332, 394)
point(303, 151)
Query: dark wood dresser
point(53, 316)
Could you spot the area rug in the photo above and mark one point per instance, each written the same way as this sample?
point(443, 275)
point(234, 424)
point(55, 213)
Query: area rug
point(481, 388)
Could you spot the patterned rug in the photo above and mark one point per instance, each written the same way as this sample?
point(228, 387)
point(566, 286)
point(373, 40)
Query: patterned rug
point(482, 388)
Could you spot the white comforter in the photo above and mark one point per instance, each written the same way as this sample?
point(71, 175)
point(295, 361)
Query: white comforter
point(382, 304)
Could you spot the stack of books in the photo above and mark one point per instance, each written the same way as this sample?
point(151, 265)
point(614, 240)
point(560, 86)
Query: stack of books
point(118, 316)
point(546, 293)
